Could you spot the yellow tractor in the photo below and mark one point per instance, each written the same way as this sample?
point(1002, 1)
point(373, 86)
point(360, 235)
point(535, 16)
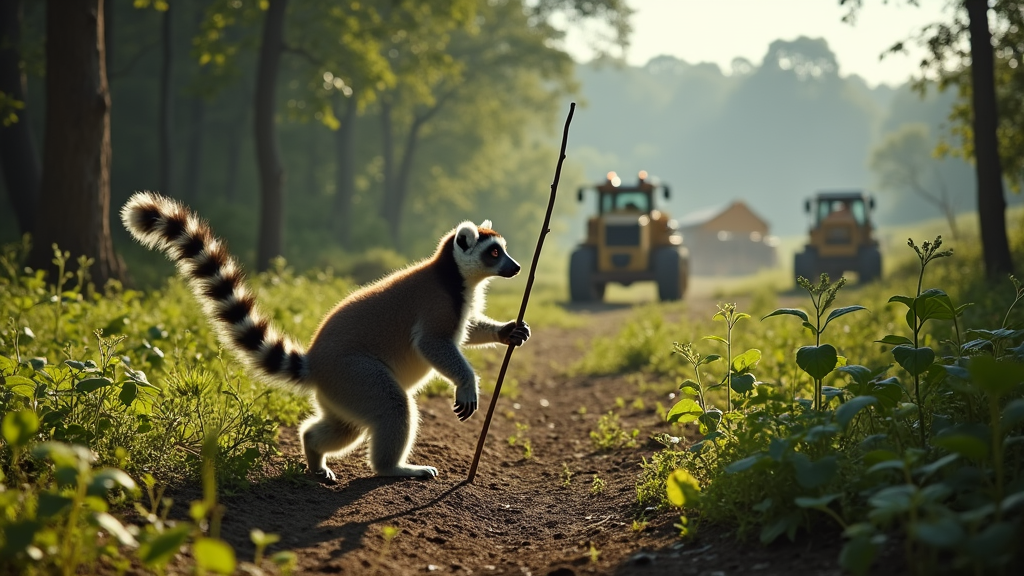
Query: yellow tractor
point(842, 238)
point(628, 241)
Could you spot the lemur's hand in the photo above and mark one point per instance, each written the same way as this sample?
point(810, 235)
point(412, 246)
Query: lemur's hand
point(514, 334)
point(466, 399)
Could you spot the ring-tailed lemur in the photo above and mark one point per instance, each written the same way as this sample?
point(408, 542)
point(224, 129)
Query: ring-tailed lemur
point(371, 352)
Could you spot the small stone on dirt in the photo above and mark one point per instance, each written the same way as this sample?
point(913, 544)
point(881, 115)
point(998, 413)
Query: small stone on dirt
point(642, 559)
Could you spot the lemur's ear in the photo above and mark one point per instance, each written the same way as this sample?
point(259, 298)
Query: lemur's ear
point(486, 224)
point(466, 236)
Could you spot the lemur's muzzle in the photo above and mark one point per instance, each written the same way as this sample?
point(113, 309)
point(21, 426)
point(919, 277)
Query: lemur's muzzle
point(509, 268)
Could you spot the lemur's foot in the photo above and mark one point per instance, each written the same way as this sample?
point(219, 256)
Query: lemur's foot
point(411, 471)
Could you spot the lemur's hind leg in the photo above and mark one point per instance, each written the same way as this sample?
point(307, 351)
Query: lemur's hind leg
point(373, 395)
point(392, 436)
point(327, 434)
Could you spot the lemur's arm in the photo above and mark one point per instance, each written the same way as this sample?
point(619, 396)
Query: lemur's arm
point(444, 355)
point(483, 331)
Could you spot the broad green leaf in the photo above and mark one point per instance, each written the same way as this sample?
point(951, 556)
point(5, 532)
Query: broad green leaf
point(115, 528)
point(941, 533)
point(1013, 414)
point(21, 386)
point(52, 504)
point(744, 464)
point(790, 312)
point(891, 501)
point(709, 421)
point(968, 440)
point(107, 479)
point(997, 377)
point(787, 524)
point(214, 554)
point(7, 365)
point(860, 374)
point(817, 361)
point(778, 447)
point(907, 301)
point(849, 409)
point(875, 456)
point(685, 411)
point(716, 339)
point(932, 467)
point(689, 387)
point(896, 340)
point(858, 555)
point(744, 362)
point(682, 489)
point(841, 312)
point(18, 536)
point(92, 384)
point(811, 327)
point(818, 502)
point(814, 474)
point(709, 359)
point(914, 360)
point(742, 383)
point(129, 390)
point(19, 427)
point(993, 541)
point(262, 539)
point(159, 550)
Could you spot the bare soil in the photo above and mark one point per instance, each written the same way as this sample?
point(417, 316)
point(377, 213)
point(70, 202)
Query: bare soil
point(517, 517)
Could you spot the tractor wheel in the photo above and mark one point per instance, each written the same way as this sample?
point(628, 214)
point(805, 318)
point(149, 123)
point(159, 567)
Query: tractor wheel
point(806, 264)
point(869, 264)
point(671, 272)
point(582, 266)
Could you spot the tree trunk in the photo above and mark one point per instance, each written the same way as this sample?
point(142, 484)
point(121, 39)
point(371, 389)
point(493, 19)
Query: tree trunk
point(344, 172)
point(388, 155)
point(17, 149)
point(166, 105)
point(991, 201)
point(396, 177)
point(236, 138)
point(268, 156)
point(190, 188)
point(75, 187)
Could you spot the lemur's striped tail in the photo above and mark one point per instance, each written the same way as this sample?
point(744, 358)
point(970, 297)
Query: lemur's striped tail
point(217, 281)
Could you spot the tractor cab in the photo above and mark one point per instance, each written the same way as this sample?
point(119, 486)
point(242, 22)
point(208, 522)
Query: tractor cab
point(628, 240)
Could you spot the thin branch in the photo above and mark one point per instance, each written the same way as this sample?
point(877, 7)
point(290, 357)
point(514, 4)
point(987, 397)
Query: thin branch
point(526, 297)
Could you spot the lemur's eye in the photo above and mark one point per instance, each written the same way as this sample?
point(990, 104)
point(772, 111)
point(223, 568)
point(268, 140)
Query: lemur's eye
point(495, 252)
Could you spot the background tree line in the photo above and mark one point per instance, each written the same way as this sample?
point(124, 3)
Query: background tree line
point(318, 130)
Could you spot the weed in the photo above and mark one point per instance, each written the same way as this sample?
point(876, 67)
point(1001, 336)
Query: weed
point(597, 486)
point(610, 434)
point(567, 475)
point(593, 553)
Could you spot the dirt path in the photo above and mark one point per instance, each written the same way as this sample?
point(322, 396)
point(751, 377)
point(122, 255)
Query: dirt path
point(520, 516)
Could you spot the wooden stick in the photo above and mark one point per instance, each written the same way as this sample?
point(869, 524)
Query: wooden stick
point(526, 298)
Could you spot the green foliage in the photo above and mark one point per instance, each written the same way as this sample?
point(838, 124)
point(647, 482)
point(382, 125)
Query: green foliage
point(611, 436)
point(931, 452)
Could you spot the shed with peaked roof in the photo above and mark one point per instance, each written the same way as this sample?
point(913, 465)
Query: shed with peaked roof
point(727, 240)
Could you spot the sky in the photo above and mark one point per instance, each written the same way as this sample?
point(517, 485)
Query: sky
point(720, 30)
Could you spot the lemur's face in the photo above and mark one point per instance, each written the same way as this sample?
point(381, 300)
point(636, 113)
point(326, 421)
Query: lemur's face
point(481, 252)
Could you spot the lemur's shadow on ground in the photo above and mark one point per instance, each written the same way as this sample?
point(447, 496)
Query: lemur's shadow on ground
point(306, 514)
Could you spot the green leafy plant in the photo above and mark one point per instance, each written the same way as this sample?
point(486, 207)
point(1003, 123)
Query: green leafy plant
point(819, 360)
point(611, 436)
